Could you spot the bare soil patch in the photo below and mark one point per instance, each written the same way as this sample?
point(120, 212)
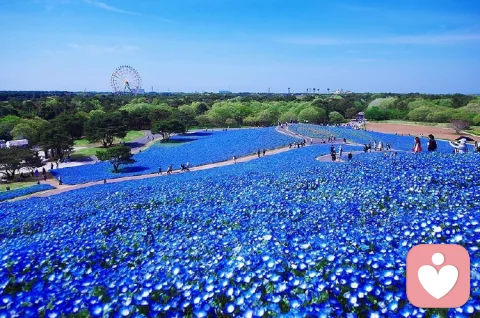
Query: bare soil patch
point(417, 130)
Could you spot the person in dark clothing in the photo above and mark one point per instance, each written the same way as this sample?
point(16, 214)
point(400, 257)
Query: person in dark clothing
point(432, 144)
point(334, 156)
point(350, 155)
point(264, 151)
point(159, 170)
point(258, 153)
point(45, 177)
point(332, 149)
point(44, 172)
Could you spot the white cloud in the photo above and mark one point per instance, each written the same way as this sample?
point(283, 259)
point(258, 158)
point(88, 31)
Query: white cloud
point(105, 6)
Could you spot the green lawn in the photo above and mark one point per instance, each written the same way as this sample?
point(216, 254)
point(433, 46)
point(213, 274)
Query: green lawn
point(86, 152)
point(81, 143)
point(132, 135)
point(92, 148)
point(474, 132)
point(16, 185)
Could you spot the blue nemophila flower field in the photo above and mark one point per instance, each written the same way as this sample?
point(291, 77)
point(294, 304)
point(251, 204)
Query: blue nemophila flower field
point(281, 235)
point(7, 195)
point(195, 148)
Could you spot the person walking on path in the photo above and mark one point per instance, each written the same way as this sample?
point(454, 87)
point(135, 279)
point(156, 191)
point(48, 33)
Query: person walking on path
point(170, 169)
point(432, 144)
point(264, 151)
point(350, 155)
point(159, 170)
point(36, 173)
point(340, 151)
point(417, 147)
point(334, 156)
point(234, 159)
point(44, 172)
point(51, 165)
point(258, 153)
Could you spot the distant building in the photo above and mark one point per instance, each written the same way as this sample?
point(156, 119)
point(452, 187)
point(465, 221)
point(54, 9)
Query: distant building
point(140, 91)
point(341, 91)
point(224, 92)
point(17, 143)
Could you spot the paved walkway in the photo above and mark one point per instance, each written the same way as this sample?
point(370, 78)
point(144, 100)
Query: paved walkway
point(65, 188)
point(144, 142)
point(314, 141)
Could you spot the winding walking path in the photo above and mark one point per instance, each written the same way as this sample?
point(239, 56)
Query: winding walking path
point(145, 144)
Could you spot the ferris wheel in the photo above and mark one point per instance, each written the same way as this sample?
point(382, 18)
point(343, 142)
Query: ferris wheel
point(126, 80)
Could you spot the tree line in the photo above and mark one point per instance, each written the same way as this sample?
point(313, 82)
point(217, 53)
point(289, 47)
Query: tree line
point(53, 122)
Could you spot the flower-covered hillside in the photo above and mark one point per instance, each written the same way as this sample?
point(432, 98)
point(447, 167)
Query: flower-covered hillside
point(195, 148)
point(281, 234)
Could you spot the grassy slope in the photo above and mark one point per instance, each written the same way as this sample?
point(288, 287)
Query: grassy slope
point(92, 148)
point(16, 185)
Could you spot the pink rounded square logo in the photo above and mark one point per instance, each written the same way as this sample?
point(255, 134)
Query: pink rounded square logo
point(438, 276)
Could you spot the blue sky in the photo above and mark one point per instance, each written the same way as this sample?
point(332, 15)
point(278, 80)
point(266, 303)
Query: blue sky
point(242, 45)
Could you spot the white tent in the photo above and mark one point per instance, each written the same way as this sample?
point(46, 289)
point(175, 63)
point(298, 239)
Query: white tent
point(17, 143)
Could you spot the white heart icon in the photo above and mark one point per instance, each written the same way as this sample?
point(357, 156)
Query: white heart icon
point(438, 284)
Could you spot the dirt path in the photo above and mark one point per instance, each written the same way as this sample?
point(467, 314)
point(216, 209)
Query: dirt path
point(416, 130)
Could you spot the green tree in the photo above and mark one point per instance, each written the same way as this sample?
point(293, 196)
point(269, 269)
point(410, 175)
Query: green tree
point(56, 139)
point(336, 117)
point(25, 131)
point(7, 123)
point(73, 123)
point(105, 127)
point(160, 113)
point(199, 107)
point(351, 112)
point(168, 127)
point(231, 122)
point(186, 114)
point(476, 120)
point(288, 116)
point(419, 114)
point(13, 159)
point(312, 115)
point(118, 155)
point(375, 113)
